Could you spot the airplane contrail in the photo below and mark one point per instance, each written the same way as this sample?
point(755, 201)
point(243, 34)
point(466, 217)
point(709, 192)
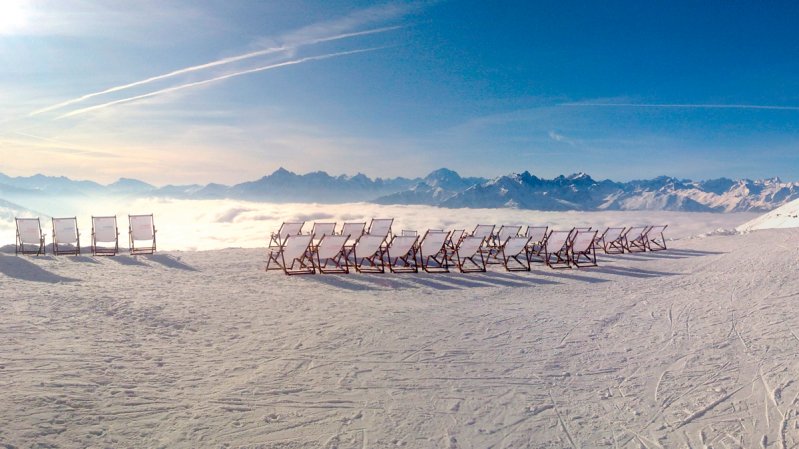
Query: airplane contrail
point(211, 80)
point(685, 106)
point(207, 65)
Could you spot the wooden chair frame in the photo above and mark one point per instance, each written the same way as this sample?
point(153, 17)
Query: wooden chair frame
point(337, 262)
point(635, 239)
point(437, 255)
point(655, 240)
point(536, 246)
point(39, 247)
point(612, 240)
point(515, 260)
point(301, 263)
point(462, 259)
point(104, 250)
point(57, 240)
point(373, 262)
point(141, 249)
point(403, 262)
point(583, 254)
point(558, 257)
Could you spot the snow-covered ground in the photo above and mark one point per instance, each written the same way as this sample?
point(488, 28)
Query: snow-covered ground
point(695, 347)
point(218, 224)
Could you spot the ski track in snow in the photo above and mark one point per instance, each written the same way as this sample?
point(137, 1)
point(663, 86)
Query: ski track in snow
point(692, 347)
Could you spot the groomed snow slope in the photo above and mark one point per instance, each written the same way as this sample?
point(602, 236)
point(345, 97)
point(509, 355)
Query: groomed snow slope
point(786, 216)
point(696, 346)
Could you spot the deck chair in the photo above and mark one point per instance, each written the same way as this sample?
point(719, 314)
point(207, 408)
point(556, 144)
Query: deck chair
point(451, 244)
point(30, 239)
point(514, 253)
point(331, 257)
point(380, 226)
point(538, 235)
point(611, 240)
point(496, 241)
point(556, 249)
point(105, 236)
point(655, 241)
point(635, 239)
point(468, 255)
point(368, 253)
point(433, 253)
point(141, 229)
point(401, 254)
point(277, 239)
point(293, 256)
point(66, 238)
point(355, 231)
point(320, 230)
point(583, 250)
point(483, 231)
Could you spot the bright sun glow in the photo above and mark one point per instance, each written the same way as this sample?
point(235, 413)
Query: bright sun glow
point(13, 16)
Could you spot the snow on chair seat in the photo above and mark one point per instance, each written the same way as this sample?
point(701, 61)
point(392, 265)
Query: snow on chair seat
point(30, 239)
point(105, 236)
point(66, 238)
point(141, 229)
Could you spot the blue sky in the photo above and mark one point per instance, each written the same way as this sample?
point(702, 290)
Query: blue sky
point(228, 91)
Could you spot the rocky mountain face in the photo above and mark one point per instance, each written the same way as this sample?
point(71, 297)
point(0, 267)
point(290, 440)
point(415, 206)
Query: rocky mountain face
point(445, 188)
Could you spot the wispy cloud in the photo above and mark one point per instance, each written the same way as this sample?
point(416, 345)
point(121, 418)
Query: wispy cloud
point(683, 106)
point(208, 65)
point(557, 137)
point(215, 79)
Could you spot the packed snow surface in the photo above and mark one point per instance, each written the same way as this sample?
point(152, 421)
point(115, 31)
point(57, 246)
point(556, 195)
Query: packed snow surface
point(696, 346)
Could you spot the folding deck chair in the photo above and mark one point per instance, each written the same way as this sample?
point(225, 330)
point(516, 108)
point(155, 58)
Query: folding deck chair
point(485, 231)
point(141, 229)
point(433, 253)
point(368, 253)
point(583, 250)
point(401, 254)
point(538, 235)
point(331, 257)
point(611, 241)
point(469, 255)
point(635, 239)
point(30, 239)
point(355, 231)
point(293, 256)
point(66, 238)
point(496, 241)
point(451, 244)
point(556, 249)
point(277, 239)
point(105, 231)
point(380, 226)
point(515, 250)
point(320, 230)
point(655, 241)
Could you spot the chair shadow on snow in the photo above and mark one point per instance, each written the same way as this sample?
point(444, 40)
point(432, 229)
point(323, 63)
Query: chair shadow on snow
point(633, 272)
point(449, 281)
point(127, 260)
point(169, 262)
point(20, 268)
point(83, 259)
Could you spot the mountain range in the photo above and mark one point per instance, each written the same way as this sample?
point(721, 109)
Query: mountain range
point(444, 188)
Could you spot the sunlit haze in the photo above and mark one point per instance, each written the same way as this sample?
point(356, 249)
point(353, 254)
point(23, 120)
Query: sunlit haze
point(212, 91)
